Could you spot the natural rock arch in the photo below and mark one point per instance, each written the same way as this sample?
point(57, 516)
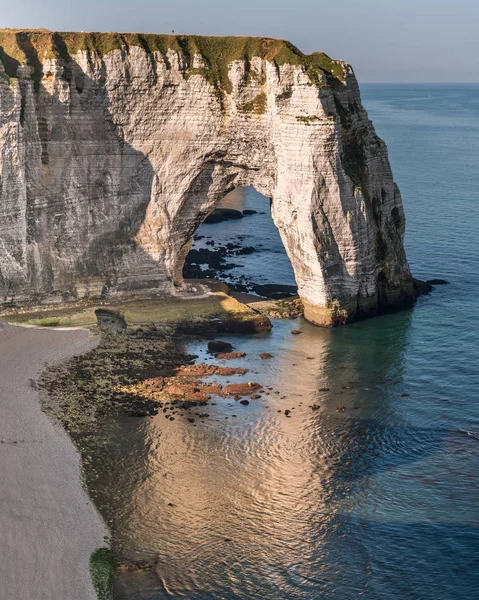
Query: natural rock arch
point(116, 148)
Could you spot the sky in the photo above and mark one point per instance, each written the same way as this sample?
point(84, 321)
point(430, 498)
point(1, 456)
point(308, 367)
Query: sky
point(384, 40)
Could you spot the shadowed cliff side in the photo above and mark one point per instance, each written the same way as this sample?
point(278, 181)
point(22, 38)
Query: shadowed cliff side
point(117, 146)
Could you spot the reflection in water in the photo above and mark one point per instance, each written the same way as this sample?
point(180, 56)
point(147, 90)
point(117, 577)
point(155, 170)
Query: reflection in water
point(261, 505)
point(376, 502)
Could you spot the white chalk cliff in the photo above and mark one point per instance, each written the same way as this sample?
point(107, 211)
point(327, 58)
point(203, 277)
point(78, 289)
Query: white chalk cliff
point(115, 147)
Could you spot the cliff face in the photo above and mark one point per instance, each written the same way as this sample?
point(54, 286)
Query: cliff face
point(114, 148)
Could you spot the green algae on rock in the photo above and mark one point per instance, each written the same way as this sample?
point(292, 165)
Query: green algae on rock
point(102, 569)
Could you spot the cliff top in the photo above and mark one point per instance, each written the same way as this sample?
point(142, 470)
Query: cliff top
point(34, 46)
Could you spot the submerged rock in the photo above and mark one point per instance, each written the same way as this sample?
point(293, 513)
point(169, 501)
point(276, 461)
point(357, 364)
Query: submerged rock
point(216, 346)
point(422, 287)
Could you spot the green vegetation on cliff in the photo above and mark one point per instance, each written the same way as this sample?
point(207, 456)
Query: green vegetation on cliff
point(33, 47)
point(102, 570)
point(257, 105)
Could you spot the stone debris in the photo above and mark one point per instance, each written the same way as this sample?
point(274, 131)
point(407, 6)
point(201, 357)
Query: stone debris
point(230, 355)
point(204, 370)
point(242, 389)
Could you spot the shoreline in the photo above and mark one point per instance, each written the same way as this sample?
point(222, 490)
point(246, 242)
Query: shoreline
point(50, 527)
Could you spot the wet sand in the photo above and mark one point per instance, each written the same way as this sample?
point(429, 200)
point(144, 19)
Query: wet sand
point(48, 526)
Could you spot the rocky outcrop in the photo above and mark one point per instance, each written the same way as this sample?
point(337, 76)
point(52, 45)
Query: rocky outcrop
point(115, 147)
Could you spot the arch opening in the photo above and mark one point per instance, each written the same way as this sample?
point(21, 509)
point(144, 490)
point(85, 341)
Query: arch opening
point(239, 244)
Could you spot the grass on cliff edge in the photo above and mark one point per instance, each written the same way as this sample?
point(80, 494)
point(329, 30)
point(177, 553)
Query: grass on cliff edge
point(102, 570)
point(137, 312)
point(35, 46)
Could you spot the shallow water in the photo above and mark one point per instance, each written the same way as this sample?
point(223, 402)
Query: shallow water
point(379, 501)
point(269, 264)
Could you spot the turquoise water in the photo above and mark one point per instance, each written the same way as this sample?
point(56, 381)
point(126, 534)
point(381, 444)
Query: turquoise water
point(377, 501)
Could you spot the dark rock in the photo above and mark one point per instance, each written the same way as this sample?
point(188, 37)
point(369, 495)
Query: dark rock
point(266, 355)
point(421, 287)
point(217, 346)
point(287, 413)
point(244, 251)
point(223, 214)
point(296, 332)
point(437, 282)
point(109, 320)
point(248, 211)
point(138, 413)
point(244, 402)
point(275, 291)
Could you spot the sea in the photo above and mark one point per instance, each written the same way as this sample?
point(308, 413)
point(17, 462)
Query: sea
point(372, 494)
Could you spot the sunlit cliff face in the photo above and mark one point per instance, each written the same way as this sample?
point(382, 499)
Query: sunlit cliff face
point(113, 154)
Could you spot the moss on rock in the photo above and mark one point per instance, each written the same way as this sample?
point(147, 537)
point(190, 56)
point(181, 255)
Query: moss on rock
point(33, 47)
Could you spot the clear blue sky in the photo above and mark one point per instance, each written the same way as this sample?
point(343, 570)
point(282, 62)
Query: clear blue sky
point(384, 40)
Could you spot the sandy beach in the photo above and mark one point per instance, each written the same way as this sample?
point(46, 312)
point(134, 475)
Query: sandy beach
point(48, 526)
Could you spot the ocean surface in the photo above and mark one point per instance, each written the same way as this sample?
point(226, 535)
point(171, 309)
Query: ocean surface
point(374, 495)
